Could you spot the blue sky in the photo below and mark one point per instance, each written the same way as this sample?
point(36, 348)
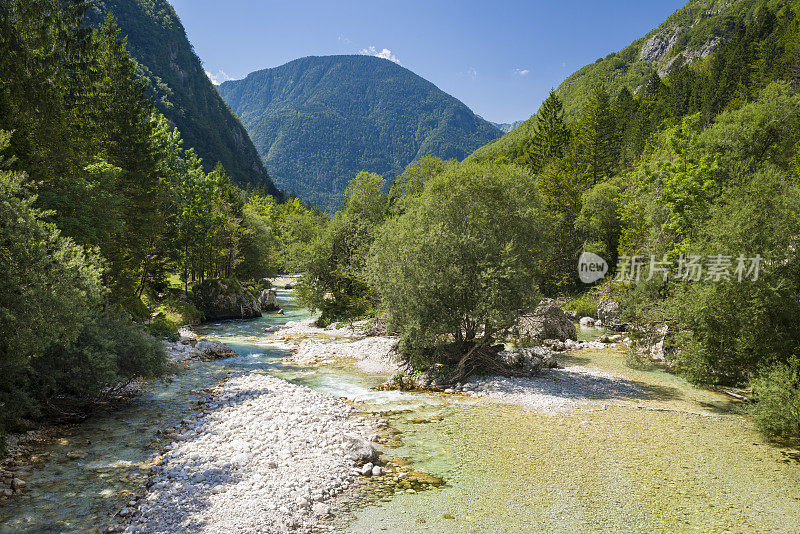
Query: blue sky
point(500, 58)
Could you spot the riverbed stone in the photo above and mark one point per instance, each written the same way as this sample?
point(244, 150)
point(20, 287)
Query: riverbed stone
point(548, 321)
point(359, 450)
point(214, 350)
point(225, 299)
point(268, 300)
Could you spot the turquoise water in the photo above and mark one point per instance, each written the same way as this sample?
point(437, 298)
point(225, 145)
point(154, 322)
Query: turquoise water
point(81, 494)
point(117, 449)
point(677, 460)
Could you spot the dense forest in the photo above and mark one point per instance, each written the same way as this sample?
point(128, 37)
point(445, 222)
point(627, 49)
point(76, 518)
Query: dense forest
point(688, 187)
point(317, 121)
point(105, 218)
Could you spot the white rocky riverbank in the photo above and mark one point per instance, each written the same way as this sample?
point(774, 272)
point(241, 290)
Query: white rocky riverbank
point(312, 345)
point(548, 390)
point(264, 456)
point(556, 389)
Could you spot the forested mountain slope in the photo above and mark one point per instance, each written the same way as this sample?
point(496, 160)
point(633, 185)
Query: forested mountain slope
point(687, 36)
point(181, 90)
point(318, 121)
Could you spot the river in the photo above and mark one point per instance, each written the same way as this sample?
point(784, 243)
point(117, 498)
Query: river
point(671, 459)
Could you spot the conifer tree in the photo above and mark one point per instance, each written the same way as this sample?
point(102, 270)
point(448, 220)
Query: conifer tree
point(551, 134)
point(125, 133)
point(597, 139)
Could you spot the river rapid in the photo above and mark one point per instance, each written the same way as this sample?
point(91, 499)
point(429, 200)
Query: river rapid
point(656, 456)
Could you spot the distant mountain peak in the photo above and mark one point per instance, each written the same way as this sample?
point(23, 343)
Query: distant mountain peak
point(317, 121)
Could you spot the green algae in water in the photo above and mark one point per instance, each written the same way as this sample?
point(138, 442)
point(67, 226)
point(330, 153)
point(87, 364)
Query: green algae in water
point(680, 461)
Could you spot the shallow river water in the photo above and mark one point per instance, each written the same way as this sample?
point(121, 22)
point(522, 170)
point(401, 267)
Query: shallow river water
point(672, 459)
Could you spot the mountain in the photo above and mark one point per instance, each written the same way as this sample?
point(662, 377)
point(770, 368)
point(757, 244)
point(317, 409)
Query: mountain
point(690, 34)
point(318, 121)
point(181, 90)
point(506, 127)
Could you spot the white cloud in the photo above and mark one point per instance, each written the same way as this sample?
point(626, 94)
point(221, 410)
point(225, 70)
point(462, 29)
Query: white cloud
point(384, 53)
point(219, 77)
point(521, 72)
point(472, 73)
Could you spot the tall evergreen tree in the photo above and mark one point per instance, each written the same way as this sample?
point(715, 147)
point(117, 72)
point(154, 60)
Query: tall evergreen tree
point(126, 130)
point(551, 134)
point(597, 138)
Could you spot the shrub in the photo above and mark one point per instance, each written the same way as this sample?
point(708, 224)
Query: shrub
point(777, 390)
point(162, 326)
point(584, 305)
point(109, 350)
point(179, 312)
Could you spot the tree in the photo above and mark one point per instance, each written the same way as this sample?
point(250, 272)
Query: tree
point(258, 244)
point(461, 261)
point(125, 138)
point(335, 278)
point(413, 179)
point(550, 135)
point(600, 220)
point(597, 141)
point(50, 286)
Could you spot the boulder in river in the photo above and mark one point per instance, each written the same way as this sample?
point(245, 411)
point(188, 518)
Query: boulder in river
point(608, 312)
point(214, 350)
point(226, 299)
point(268, 300)
point(548, 321)
point(359, 450)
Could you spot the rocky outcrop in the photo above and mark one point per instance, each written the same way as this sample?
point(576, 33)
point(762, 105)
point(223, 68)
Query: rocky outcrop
point(658, 46)
point(608, 312)
point(268, 300)
point(548, 321)
point(226, 299)
point(688, 56)
point(657, 348)
point(214, 350)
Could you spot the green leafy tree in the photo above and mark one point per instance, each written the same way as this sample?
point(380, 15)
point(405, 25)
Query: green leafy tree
point(411, 182)
point(50, 287)
point(335, 278)
point(600, 220)
point(458, 264)
point(257, 246)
